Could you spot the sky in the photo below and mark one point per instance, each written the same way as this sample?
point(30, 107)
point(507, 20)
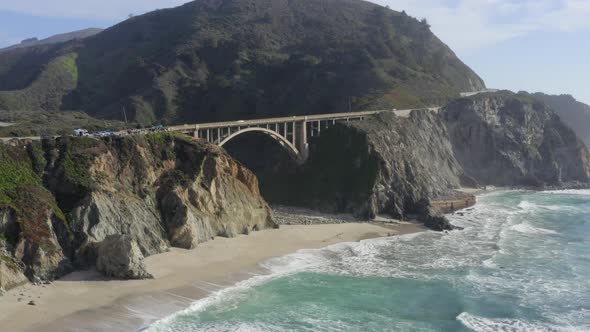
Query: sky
point(532, 45)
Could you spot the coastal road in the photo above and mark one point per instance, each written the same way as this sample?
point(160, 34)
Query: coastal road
point(245, 123)
point(32, 138)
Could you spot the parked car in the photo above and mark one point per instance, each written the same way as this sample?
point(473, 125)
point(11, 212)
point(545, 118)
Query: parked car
point(157, 128)
point(104, 133)
point(81, 132)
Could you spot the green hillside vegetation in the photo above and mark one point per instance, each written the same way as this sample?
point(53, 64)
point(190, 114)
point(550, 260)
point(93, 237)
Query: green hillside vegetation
point(21, 188)
point(46, 92)
point(30, 123)
point(239, 59)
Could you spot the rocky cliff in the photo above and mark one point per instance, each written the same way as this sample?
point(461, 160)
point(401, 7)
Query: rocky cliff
point(507, 139)
point(572, 112)
point(68, 203)
point(386, 164)
point(405, 166)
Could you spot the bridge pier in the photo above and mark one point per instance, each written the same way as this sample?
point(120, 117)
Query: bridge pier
point(301, 141)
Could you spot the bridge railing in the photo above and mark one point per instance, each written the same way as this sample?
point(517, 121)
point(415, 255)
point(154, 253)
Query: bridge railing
point(246, 123)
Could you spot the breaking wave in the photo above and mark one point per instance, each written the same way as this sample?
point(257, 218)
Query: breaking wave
point(514, 267)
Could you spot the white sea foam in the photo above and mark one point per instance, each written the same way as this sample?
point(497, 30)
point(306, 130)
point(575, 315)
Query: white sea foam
point(298, 261)
point(481, 324)
point(190, 326)
point(302, 260)
point(584, 192)
point(530, 207)
point(234, 293)
point(495, 230)
point(489, 263)
point(529, 229)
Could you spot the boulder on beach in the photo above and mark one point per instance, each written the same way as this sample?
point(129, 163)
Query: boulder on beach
point(119, 256)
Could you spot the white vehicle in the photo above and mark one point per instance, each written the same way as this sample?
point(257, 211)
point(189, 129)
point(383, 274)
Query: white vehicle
point(81, 132)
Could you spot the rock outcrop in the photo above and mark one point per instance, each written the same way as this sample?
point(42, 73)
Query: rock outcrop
point(225, 200)
point(386, 164)
point(433, 218)
point(119, 256)
point(75, 202)
point(11, 274)
point(507, 139)
point(573, 113)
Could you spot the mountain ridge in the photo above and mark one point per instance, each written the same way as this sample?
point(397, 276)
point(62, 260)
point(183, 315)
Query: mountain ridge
point(217, 60)
point(58, 38)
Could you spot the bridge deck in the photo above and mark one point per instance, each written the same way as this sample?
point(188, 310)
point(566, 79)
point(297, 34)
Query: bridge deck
point(257, 122)
point(269, 121)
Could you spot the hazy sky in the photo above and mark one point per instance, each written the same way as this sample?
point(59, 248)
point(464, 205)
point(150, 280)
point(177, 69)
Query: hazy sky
point(533, 45)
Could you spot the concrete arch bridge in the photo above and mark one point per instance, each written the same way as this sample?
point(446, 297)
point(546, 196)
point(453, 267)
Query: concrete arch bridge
point(292, 132)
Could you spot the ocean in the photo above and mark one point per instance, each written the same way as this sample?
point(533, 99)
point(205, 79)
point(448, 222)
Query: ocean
point(522, 263)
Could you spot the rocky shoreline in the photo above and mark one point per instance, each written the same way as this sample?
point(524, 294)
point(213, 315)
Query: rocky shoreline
point(288, 215)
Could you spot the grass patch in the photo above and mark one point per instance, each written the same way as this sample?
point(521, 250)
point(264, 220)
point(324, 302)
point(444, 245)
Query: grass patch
point(10, 262)
point(22, 191)
point(15, 170)
point(52, 123)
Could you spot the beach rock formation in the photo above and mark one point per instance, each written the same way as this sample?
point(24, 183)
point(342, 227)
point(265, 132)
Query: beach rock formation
point(386, 164)
point(119, 256)
point(433, 218)
point(11, 274)
point(225, 200)
point(507, 139)
point(101, 215)
point(63, 203)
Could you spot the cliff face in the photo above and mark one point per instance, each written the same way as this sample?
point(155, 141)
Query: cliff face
point(386, 164)
point(60, 202)
point(508, 139)
point(572, 112)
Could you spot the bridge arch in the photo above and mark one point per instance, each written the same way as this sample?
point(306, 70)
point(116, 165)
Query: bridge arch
point(285, 143)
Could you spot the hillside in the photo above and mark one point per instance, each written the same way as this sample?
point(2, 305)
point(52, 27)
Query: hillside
point(60, 38)
point(212, 60)
point(574, 113)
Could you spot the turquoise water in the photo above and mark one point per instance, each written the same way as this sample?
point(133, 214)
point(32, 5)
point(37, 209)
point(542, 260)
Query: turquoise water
point(521, 264)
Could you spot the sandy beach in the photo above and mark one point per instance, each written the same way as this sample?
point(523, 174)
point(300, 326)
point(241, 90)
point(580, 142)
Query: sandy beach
point(86, 301)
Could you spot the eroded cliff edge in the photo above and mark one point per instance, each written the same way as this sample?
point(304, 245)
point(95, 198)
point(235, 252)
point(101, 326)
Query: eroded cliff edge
point(67, 203)
point(507, 139)
point(385, 165)
point(400, 166)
